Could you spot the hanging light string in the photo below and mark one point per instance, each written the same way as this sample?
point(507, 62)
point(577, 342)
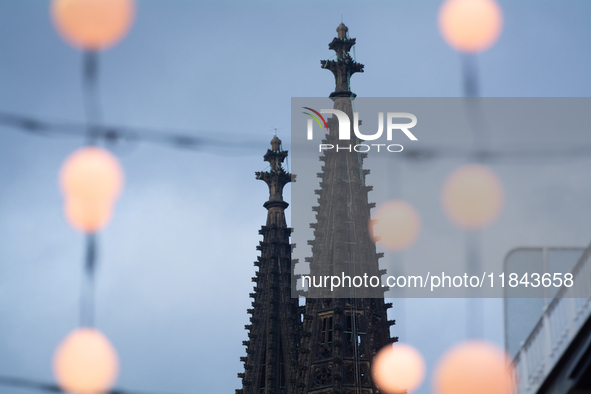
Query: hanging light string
point(91, 180)
point(91, 96)
point(121, 134)
point(87, 295)
point(117, 134)
point(93, 120)
point(471, 87)
point(10, 381)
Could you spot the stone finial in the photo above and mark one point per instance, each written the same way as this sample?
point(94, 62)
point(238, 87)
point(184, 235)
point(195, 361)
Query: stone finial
point(342, 30)
point(275, 144)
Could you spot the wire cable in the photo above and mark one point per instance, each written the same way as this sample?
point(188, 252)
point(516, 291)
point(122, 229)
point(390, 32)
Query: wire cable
point(11, 381)
point(186, 141)
point(115, 134)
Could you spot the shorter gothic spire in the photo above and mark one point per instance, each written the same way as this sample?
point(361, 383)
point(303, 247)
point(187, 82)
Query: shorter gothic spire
point(270, 364)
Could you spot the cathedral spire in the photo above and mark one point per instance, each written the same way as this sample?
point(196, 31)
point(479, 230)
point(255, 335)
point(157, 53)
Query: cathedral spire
point(342, 329)
point(344, 66)
point(273, 334)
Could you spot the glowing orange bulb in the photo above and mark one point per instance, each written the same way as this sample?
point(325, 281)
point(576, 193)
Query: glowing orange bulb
point(472, 196)
point(91, 174)
point(85, 362)
point(473, 367)
point(398, 225)
point(398, 368)
point(93, 24)
point(470, 25)
point(91, 179)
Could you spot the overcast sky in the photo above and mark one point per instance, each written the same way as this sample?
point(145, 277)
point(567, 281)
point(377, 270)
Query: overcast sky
point(175, 263)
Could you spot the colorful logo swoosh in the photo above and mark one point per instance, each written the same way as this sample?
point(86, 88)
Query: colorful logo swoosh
point(315, 118)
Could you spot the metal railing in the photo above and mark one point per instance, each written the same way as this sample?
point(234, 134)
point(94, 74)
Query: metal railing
point(551, 336)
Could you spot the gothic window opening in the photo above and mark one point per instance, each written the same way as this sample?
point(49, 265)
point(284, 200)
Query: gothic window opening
point(326, 333)
point(263, 374)
point(353, 337)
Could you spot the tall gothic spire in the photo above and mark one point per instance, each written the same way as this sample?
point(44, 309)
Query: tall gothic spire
point(275, 323)
point(341, 334)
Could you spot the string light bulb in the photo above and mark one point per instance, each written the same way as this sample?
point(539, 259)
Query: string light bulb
point(470, 25)
point(91, 179)
point(398, 368)
point(397, 225)
point(92, 24)
point(473, 367)
point(85, 362)
point(472, 196)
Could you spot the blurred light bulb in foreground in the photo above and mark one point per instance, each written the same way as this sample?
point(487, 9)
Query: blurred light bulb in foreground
point(472, 196)
point(85, 362)
point(470, 25)
point(91, 174)
point(397, 225)
point(398, 368)
point(473, 367)
point(91, 179)
point(93, 24)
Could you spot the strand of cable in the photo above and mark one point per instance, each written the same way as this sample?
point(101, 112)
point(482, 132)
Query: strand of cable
point(10, 381)
point(114, 134)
